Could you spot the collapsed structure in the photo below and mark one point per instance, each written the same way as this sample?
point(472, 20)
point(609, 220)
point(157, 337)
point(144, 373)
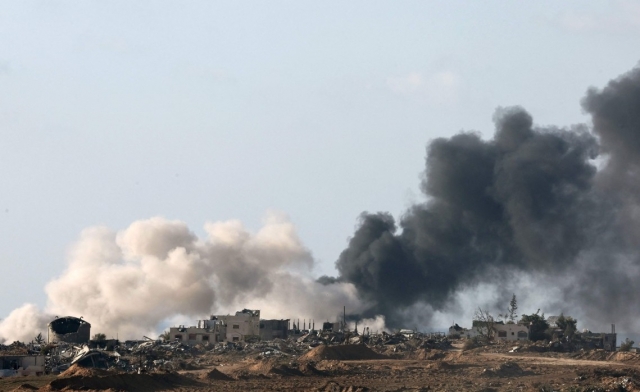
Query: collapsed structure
point(70, 330)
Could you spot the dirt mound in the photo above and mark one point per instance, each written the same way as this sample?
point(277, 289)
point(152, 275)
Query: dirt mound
point(76, 370)
point(284, 370)
point(592, 355)
point(25, 388)
point(507, 369)
point(333, 386)
point(263, 366)
point(612, 379)
point(624, 357)
point(126, 382)
point(427, 354)
point(215, 374)
point(341, 353)
point(310, 370)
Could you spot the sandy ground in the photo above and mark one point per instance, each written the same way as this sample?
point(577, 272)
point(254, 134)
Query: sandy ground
point(453, 370)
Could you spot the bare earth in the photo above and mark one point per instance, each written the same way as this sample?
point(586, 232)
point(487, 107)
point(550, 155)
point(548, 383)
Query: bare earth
point(431, 370)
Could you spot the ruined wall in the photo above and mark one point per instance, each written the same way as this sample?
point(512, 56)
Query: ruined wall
point(194, 335)
point(511, 332)
point(70, 330)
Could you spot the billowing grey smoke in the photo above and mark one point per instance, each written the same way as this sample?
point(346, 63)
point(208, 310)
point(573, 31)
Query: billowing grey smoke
point(132, 282)
point(528, 202)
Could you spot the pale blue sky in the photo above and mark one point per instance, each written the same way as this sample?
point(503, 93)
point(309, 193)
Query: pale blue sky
point(116, 111)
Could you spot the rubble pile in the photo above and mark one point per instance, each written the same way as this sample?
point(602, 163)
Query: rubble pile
point(403, 345)
point(341, 352)
point(622, 379)
point(15, 348)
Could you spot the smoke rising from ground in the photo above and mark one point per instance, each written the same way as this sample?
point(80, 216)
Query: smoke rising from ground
point(128, 283)
point(551, 214)
point(527, 204)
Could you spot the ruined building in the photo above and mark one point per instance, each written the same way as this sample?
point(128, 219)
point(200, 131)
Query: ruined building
point(69, 329)
point(244, 326)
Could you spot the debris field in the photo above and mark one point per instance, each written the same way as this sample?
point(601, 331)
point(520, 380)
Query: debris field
point(312, 362)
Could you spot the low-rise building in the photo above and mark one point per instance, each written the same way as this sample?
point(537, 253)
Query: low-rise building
point(605, 341)
point(241, 327)
point(501, 331)
point(21, 365)
point(511, 332)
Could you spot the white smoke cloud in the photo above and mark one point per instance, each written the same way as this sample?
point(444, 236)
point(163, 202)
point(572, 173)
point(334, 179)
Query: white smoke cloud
point(375, 325)
point(23, 324)
point(129, 283)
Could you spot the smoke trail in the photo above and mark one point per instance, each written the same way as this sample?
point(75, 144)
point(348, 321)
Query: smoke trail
point(129, 282)
point(527, 204)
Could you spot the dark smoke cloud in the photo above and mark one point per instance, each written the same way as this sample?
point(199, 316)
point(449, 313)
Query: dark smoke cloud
point(530, 201)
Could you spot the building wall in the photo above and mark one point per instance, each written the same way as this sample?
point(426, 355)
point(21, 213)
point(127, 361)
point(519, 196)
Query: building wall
point(511, 332)
point(605, 341)
point(242, 326)
point(508, 332)
point(70, 330)
point(194, 335)
point(25, 364)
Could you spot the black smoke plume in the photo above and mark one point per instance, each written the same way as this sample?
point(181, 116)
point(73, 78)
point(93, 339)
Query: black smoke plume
point(561, 203)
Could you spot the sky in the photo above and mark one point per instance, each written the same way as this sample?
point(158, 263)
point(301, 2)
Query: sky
point(112, 112)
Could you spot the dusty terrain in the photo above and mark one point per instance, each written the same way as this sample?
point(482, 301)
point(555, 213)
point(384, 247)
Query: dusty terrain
point(358, 368)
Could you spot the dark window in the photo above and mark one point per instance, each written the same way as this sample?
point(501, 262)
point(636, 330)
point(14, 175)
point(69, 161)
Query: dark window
point(512, 333)
point(502, 334)
point(236, 326)
point(236, 338)
point(205, 338)
point(179, 337)
point(522, 334)
point(192, 336)
point(261, 326)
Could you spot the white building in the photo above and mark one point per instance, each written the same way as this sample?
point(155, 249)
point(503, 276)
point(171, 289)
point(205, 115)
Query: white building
point(245, 325)
point(511, 332)
point(507, 332)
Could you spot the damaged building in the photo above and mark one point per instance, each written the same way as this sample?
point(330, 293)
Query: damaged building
point(207, 331)
point(502, 331)
point(241, 327)
point(24, 365)
point(244, 326)
point(70, 330)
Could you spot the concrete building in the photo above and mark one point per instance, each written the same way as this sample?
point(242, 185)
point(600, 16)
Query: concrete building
point(511, 332)
point(21, 365)
point(605, 341)
point(70, 330)
point(508, 332)
point(241, 327)
point(207, 331)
